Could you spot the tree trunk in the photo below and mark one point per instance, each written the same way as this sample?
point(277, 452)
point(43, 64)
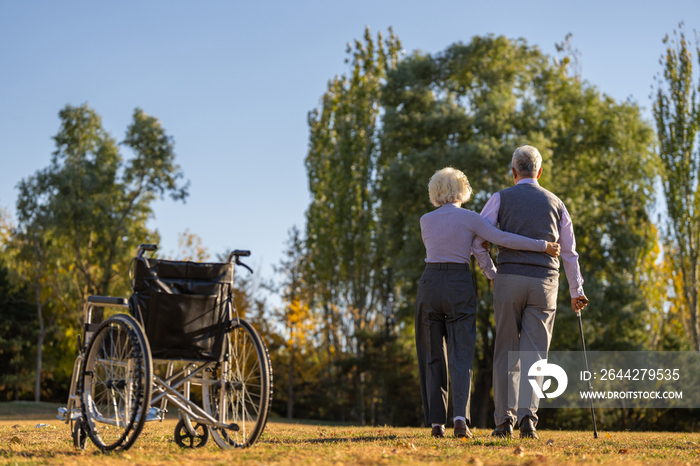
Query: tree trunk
point(694, 304)
point(361, 381)
point(290, 388)
point(42, 329)
point(481, 396)
point(40, 343)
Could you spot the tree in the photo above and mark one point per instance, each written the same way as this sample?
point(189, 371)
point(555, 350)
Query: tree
point(677, 116)
point(341, 167)
point(190, 248)
point(17, 327)
point(81, 218)
point(295, 315)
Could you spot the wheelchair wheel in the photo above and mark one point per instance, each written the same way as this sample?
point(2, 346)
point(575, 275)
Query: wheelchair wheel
point(79, 434)
point(185, 439)
point(241, 391)
point(116, 383)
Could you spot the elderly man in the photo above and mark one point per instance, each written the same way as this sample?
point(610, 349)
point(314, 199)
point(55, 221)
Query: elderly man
point(525, 287)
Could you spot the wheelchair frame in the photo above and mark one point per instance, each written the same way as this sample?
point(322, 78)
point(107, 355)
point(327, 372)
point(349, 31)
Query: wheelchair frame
point(222, 382)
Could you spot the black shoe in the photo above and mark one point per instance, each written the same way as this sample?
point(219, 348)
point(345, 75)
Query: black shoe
point(504, 430)
point(527, 428)
point(461, 429)
point(438, 431)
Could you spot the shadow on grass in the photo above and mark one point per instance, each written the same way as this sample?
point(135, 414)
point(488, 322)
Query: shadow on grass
point(310, 422)
point(332, 440)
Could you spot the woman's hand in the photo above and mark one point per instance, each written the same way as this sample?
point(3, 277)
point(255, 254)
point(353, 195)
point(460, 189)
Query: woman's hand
point(553, 249)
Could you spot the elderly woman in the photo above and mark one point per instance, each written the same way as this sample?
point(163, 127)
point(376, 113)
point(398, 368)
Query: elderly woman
point(446, 304)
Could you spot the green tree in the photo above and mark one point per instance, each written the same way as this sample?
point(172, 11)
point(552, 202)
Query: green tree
point(677, 116)
point(81, 218)
point(17, 331)
point(341, 167)
point(17, 328)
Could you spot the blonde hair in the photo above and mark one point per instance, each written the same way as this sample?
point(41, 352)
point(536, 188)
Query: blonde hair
point(449, 185)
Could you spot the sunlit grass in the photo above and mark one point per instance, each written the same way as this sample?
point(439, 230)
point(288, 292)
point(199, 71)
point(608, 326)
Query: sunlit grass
point(299, 444)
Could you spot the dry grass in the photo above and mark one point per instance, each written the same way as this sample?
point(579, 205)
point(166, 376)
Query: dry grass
point(299, 444)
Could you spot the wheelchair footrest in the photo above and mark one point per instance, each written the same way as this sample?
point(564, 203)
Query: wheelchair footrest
point(155, 414)
point(64, 415)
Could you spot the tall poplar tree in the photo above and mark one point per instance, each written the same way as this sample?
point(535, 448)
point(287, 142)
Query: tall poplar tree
point(677, 116)
point(341, 167)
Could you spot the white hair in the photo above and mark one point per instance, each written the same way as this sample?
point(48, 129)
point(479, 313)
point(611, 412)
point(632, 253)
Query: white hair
point(527, 161)
point(449, 185)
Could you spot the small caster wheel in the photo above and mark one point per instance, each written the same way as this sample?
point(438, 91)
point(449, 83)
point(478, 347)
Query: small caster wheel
point(79, 434)
point(186, 440)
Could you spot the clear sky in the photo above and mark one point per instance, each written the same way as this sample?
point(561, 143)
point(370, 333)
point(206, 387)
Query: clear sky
point(232, 82)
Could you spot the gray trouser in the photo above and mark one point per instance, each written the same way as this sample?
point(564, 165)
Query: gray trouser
point(445, 336)
point(524, 309)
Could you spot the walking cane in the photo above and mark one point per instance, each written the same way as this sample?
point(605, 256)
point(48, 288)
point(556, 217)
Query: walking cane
point(585, 363)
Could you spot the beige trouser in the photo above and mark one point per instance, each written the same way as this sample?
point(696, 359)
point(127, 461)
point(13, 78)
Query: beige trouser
point(524, 309)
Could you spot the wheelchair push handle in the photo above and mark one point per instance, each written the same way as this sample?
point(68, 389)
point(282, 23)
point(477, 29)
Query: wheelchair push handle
point(145, 247)
point(238, 253)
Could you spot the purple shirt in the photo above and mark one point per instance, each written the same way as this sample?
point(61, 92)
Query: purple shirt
point(449, 234)
point(567, 241)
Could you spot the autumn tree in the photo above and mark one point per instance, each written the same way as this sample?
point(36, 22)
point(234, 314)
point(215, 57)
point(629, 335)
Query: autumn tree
point(295, 315)
point(190, 248)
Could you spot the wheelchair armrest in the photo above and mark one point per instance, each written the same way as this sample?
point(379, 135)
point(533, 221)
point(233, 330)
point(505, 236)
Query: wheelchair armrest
point(108, 301)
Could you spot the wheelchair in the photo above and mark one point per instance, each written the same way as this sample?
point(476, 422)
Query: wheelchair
point(182, 319)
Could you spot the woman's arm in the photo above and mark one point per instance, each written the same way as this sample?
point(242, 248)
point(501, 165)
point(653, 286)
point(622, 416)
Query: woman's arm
point(485, 230)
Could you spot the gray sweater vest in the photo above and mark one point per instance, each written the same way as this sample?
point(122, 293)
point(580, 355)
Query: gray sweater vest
point(532, 211)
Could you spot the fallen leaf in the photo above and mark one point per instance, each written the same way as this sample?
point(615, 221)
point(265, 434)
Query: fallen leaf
point(607, 435)
point(623, 450)
point(476, 462)
point(550, 442)
point(464, 439)
point(15, 440)
point(541, 458)
point(520, 451)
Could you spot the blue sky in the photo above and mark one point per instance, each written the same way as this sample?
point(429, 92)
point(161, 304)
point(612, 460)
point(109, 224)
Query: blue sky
point(232, 82)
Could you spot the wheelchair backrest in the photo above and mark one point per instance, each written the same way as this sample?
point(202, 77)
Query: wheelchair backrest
point(184, 307)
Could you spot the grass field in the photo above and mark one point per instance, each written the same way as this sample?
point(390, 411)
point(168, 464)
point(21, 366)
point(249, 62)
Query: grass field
point(287, 443)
